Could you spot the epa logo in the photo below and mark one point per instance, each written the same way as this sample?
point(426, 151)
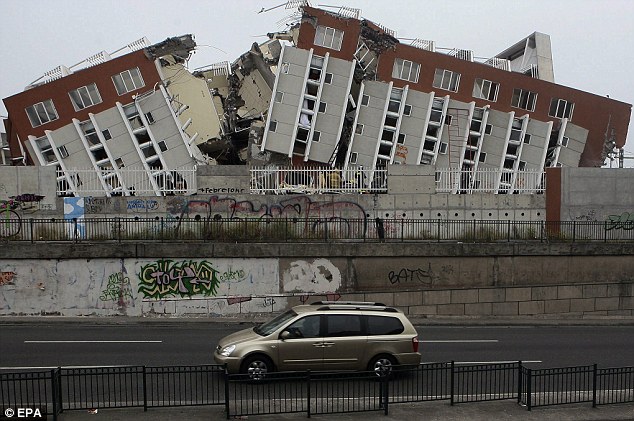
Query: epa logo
point(23, 413)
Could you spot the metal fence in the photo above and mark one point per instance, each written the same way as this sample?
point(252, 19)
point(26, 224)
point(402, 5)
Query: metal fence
point(218, 229)
point(317, 180)
point(53, 391)
point(126, 181)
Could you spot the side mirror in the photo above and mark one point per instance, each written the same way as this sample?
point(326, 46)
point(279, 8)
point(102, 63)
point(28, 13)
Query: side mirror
point(285, 335)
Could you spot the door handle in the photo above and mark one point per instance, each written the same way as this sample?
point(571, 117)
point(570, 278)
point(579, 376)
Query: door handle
point(328, 344)
point(319, 345)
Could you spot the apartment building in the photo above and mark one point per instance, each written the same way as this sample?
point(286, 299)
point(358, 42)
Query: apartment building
point(349, 93)
point(117, 118)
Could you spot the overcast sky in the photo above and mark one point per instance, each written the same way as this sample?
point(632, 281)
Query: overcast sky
point(591, 39)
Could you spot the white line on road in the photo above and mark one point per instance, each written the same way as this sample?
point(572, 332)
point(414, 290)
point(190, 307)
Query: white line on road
point(456, 341)
point(93, 342)
point(65, 366)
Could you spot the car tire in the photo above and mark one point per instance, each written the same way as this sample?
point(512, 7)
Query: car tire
point(382, 365)
point(257, 366)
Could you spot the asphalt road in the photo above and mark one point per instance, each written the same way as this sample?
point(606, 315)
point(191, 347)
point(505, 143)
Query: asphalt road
point(183, 342)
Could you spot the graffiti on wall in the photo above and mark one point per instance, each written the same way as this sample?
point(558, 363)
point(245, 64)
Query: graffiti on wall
point(418, 276)
point(140, 205)
point(6, 278)
point(118, 288)
point(300, 207)
point(624, 221)
point(167, 278)
point(320, 275)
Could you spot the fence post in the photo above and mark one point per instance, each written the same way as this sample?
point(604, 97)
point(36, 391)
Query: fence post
point(144, 390)
point(529, 382)
point(508, 231)
point(162, 230)
point(519, 382)
point(31, 227)
point(438, 225)
point(452, 383)
point(574, 230)
point(386, 391)
point(54, 392)
point(308, 392)
point(75, 232)
point(59, 389)
point(594, 386)
point(326, 230)
point(227, 392)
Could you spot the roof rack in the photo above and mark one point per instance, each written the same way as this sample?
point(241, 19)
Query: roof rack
point(349, 303)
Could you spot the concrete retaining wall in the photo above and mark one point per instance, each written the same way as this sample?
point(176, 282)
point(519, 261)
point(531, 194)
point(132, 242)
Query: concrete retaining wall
point(213, 279)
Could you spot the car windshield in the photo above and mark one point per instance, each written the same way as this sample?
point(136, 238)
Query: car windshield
point(273, 324)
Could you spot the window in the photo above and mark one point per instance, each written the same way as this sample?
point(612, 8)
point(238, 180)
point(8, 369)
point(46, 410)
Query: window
point(353, 157)
point(162, 145)
point(307, 327)
point(273, 126)
point(322, 107)
point(443, 148)
point(316, 136)
point(564, 141)
point(128, 81)
point(106, 134)
point(343, 325)
point(328, 37)
point(85, 97)
point(407, 110)
point(119, 163)
point(359, 129)
point(365, 100)
point(524, 99)
point(448, 120)
point(561, 108)
point(380, 325)
point(487, 129)
point(527, 139)
point(483, 157)
point(485, 89)
point(279, 96)
point(406, 70)
point(522, 166)
point(401, 138)
point(62, 151)
point(447, 80)
point(286, 67)
point(150, 118)
point(42, 113)
point(328, 78)
point(46, 149)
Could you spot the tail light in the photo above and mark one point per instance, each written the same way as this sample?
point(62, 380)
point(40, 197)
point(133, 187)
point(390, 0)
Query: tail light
point(415, 343)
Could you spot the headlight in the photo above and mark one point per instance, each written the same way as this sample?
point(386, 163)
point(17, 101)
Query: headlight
point(227, 350)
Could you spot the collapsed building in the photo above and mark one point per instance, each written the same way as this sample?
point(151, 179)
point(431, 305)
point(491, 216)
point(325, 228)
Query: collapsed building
point(334, 90)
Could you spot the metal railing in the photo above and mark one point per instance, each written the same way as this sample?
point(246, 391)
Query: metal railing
point(53, 391)
point(126, 181)
point(490, 180)
point(274, 230)
point(355, 180)
point(317, 180)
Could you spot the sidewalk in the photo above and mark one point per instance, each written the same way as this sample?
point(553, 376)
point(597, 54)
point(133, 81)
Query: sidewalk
point(428, 411)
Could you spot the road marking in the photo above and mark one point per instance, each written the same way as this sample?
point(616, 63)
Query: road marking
point(496, 362)
point(93, 342)
point(65, 366)
point(456, 341)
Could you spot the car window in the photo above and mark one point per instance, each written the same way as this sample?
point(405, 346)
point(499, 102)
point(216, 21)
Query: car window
point(272, 325)
point(343, 325)
point(306, 327)
point(378, 325)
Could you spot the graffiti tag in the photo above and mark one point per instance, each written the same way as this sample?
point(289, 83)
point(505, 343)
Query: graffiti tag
point(166, 278)
point(141, 205)
point(6, 278)
point(625, 221)
point(118, 288)
point(423, 277)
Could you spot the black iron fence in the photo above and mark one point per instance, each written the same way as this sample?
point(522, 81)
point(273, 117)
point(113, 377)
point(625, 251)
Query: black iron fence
point(57, 390)
point(15, 228)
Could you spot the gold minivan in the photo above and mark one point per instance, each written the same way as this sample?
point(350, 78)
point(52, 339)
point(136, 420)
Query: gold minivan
point(324, 336)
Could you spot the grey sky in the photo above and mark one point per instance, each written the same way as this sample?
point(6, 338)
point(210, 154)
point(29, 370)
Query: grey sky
point(591, 39)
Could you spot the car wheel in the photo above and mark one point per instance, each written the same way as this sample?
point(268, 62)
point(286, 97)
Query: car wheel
point(382, 365)
point(257, 367)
